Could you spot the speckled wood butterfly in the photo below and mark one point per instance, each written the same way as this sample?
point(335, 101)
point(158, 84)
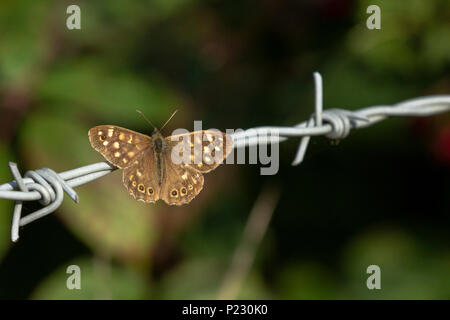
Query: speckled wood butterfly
point(152, 166)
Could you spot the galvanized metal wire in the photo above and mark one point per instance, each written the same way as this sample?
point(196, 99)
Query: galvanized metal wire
point(48, 187)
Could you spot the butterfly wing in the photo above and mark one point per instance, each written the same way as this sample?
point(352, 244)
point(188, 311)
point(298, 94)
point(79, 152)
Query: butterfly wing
point(181, 183)
point(205, 149)
point(141, 179)
point(118, 145)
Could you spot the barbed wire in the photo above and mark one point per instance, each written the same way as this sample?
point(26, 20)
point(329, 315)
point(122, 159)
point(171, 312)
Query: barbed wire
point(48, 187)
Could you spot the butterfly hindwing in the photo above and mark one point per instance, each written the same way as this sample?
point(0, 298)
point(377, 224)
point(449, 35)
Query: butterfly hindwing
point(141, 178)
point(118, 145)
point(181, 183)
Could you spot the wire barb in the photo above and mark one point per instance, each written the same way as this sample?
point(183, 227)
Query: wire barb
point(48, 187)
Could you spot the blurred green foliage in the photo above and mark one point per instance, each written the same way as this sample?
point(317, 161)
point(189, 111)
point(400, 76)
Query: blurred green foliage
point(379, 197)
point(99, 281)
point(5, 207)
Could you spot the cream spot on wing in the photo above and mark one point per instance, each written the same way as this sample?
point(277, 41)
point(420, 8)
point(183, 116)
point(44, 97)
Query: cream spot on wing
point(116, 145)
point(130, 140)
point(194, 181)
point(216, 148)
point(116, 154)
point(200, 165)
point(131, 177)
point(138, 173)
point(184, 176)
point(100, 133)
point(121, 136)
point(110, 132)
point(124, 160)
point(207, 159)
point(209, 137)
point(130, 154)
point(105, 143)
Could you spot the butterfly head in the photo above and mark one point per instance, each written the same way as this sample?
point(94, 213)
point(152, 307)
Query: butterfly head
point(155, 131)
point(156, 134)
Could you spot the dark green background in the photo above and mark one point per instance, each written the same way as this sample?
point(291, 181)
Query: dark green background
point(381, 196)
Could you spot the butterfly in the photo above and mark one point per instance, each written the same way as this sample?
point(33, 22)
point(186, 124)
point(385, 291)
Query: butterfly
point(152, 166)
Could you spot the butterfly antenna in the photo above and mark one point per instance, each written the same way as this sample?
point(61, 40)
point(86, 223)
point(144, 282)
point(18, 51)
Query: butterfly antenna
point(140, 112)
point(169, 119)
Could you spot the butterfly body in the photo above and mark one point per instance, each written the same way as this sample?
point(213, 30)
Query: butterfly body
point(159, 145)
point(150, 172)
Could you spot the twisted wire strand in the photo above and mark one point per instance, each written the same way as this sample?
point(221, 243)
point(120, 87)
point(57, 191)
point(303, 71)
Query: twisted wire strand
point(48, 187)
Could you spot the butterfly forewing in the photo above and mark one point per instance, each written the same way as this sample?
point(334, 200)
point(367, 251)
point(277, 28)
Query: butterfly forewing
point(201, 150)
point(118, 145)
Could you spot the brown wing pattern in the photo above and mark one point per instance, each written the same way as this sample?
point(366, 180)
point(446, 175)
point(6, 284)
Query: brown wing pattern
point(181, 184)
point(140, 178)
point(202, 150)
point(118, 145)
